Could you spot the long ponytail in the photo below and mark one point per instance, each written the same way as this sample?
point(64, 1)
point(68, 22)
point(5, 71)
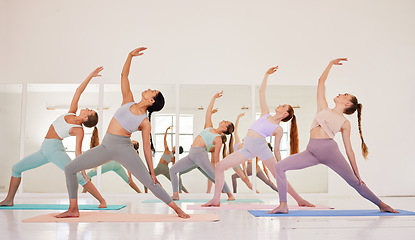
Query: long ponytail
point(365, 150)
point(157, 106)
point(94, 138)
point(294, 136)
point(224, 139)
point(293, 130)
point(357, 106)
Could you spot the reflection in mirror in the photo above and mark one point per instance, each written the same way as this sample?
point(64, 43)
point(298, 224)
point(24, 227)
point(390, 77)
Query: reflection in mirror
point(10, 105)
point(45, 102)
point(194, 100)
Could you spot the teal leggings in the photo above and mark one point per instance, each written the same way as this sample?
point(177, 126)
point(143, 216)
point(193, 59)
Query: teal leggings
point(51, 151)
point(111, 166)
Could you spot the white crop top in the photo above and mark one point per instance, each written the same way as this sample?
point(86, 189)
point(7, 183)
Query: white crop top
point(62, 127)
point(329, 121)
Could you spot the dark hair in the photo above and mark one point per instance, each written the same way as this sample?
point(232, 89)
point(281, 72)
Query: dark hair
point(92, 120)
point(181, 150)
point(157, 106)
point(350, 110)
point(136, 145)
point(270, 147)
point(224, 139)
point(229, 130)
point(94, 138)
point(293, 130)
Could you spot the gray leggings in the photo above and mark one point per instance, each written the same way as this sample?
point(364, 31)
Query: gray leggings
point(197, 157)
point(163, 169)
point(260, 174)
point(119, 149)
point(321, 151)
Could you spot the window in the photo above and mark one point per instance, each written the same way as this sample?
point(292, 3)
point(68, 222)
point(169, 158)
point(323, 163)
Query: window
point(162, 122)
point(70, 143)
point(284, 145)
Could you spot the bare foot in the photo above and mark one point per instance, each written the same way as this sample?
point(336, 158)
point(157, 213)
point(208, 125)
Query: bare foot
point(304, 203)
point(386, 208)
point(7, 203)
point(84, 190)
point(212, 203)
point(279, 209)
point(231, 198)
point(182, 214)
point(102, 205)
point(68, 214)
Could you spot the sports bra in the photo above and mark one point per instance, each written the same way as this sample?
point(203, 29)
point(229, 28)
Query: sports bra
point(62, 127)
point(167, 157)
point(329, 121)
point(208, 138)
point(129, 121)
point(264, 127)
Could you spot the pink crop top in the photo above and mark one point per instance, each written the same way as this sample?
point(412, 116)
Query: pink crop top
point(264, 127)
point(329, 121)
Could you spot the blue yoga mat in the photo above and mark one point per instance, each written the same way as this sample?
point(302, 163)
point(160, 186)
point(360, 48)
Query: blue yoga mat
point(59, 207)
point(203, 200)
point(329, 213)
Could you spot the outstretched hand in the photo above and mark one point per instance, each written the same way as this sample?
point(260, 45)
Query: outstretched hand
point(214, 110)
point(337, 61)
point(138, 51)
point(219, 94)
point(96, 72)
point(241, 115)
point(272, 70)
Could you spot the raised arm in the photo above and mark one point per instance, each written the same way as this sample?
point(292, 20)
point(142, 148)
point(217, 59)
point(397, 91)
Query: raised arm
point(321, 88)
point(235, 132)
point(166, 146)
point(209, 110)
point(262, 98)
point(127, 95)
point(345, 130)
point(75, 99)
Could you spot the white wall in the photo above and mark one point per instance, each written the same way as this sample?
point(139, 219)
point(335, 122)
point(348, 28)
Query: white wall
point(234, 42)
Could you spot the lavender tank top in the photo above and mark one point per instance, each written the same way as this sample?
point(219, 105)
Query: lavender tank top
point(263, 126)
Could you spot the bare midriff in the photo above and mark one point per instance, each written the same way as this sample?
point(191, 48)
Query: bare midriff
point(252, 133)
point(116, 129)
point(318, 133)
point(52, 133)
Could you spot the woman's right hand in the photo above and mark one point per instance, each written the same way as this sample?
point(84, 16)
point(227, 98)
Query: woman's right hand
point(272, 70)
point(241, 115)
point(337, 61)
point(137, 51)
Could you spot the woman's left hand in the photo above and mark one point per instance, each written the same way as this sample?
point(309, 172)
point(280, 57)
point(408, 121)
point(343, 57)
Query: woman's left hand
point(155, 181)
point(219, 94)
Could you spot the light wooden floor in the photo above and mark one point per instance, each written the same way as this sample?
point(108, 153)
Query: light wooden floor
point(233, 224)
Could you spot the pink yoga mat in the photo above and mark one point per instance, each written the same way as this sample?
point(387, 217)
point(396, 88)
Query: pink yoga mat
point(122, 217)
point(252, 207)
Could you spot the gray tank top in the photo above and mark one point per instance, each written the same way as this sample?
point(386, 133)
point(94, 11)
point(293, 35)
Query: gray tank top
point(167, 157)
point(129, 121)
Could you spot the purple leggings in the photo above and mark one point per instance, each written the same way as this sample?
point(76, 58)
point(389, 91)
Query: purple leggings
point(321, 151)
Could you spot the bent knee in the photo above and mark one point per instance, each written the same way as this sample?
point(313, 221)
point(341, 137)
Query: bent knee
point(16, 172)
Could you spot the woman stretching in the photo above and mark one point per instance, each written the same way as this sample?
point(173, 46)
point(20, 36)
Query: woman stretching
point(239, 172)
point(52, 149)
point(209, 138)
point(114, 166)
point(117, 146)
point(322, 149)
point(166, 158)
point(255, 144)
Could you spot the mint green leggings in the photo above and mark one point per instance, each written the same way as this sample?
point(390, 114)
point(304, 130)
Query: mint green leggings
point(51, 151)
point(111, 166)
